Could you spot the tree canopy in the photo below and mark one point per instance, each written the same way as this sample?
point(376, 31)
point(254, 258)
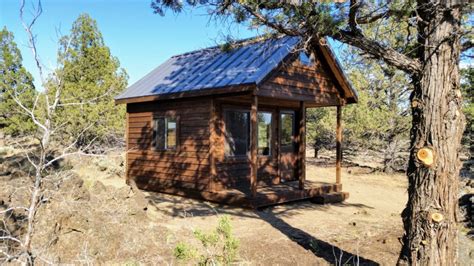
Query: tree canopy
point(16, 82)
point(90, 76)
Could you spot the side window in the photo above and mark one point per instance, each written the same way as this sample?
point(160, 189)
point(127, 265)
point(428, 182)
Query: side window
point(237, 124)
point(165, 133)
point(264, 133)
point(287, 121)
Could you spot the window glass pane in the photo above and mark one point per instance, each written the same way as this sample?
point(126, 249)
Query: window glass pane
point(264, 133)
point(305, 59)
point(159, 133)
point(170, 133)
point(287, 129)
point(237, 132)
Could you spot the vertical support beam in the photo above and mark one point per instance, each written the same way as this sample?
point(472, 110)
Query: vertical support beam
point(302, 145)
point(277, 144)
point(212, 146)
point(338, 144)
point(253, 146)
point(127, 145)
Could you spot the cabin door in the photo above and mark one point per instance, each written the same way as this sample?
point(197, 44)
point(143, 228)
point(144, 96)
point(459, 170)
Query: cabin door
point(287, 156)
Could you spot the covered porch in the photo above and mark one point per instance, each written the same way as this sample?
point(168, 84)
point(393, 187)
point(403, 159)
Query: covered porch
point(259, 190)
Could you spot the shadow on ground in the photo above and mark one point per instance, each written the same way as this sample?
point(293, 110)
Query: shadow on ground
point(180, 207)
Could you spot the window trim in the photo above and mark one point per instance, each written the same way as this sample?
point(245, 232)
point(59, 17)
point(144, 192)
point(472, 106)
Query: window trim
point(177, 132)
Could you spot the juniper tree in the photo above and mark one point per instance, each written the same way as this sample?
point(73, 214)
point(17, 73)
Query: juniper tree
point(68, 113)
point(15, 81)
point(429, 54)
point(92, 76)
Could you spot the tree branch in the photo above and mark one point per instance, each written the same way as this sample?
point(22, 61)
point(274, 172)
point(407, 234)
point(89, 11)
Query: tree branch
point(467, 45)
point(274, 25)
point(389, 55)
point(353, 10)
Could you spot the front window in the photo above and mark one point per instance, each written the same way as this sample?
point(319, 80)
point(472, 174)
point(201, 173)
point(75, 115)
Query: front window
point(287, 129)
point(237, 124)
point(264, 133)
point(165, 133)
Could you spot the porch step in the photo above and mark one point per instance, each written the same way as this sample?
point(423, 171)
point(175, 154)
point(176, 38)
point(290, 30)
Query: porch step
point(333, 197)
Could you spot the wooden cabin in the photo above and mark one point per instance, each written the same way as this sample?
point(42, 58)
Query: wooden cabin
point(229, 126)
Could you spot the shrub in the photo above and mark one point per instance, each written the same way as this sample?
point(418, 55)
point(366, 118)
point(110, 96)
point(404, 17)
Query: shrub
point(218, 246)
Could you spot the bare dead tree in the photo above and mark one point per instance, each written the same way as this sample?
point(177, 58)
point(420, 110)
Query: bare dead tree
point(44, 154)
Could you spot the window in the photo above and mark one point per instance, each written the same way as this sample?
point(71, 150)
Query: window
point(165, 133)
point(287, 129)
point(237, 124)
point(305, 59)
point(264, 133)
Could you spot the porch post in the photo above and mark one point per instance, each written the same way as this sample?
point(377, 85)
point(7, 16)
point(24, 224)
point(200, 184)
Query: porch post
point(302, 145)
point(212, 146)
point(338, 144)
point(253, 146)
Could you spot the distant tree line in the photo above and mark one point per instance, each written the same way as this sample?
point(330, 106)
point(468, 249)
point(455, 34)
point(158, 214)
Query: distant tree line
point(380, 121)
point(90, 78)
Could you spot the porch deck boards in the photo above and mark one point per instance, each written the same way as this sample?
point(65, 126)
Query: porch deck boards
point(274, 194)
point(265, 196)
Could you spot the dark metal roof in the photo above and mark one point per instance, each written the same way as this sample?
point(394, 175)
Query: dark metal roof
point(213, 68)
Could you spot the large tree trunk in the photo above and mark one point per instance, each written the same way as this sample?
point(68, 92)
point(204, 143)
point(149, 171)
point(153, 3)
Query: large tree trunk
point(438, 123)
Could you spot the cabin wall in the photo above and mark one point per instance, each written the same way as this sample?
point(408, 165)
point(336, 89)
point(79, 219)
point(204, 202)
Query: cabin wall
point(297, 81)
point(187, 166)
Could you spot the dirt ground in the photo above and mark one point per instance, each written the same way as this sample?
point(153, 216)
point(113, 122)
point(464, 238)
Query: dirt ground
point(365, 228)
point(95, 218)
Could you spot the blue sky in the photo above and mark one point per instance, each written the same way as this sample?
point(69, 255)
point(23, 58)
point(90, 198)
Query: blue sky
point(140, 39)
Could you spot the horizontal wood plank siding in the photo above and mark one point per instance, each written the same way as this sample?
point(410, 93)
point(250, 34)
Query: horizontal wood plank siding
point(298, 82)
point(187, 167)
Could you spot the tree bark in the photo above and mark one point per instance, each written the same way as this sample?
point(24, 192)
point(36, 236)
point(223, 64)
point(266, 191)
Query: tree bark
point(438, 123)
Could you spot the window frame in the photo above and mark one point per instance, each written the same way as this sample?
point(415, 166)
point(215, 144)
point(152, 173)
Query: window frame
point(166, 119)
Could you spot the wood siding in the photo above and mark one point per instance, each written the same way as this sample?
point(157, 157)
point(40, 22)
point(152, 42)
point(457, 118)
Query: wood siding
point(186, 167)
point(296, 81)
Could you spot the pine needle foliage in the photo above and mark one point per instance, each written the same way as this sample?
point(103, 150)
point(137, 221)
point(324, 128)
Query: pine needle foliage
point(15, 82)
point(91, 78)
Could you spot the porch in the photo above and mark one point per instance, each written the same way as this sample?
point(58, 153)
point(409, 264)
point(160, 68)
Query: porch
point(273, 169)
point(277, 194)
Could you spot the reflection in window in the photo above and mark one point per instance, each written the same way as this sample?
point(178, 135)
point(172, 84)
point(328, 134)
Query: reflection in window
point(305, 59)
point(171, 133)
point(164, 133)
point(287, 129)
point(237, 132)
point(264, 133)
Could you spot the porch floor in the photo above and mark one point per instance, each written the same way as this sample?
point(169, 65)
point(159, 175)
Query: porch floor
point(275, 194)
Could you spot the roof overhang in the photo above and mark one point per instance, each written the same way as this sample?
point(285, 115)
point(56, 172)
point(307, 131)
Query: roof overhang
point(188, 94)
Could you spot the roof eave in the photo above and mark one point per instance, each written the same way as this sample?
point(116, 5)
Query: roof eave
point(339, 73)
point(243, 88)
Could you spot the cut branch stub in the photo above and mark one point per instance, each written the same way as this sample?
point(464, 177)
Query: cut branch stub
point(437, 217)
point(426, 156)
